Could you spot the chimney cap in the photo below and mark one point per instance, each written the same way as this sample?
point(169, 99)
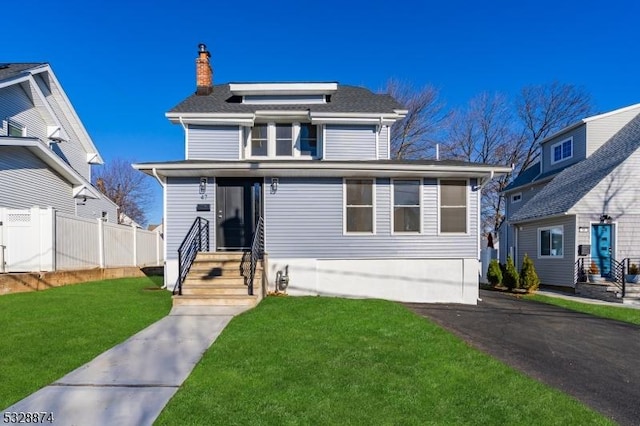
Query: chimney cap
point(202, 47)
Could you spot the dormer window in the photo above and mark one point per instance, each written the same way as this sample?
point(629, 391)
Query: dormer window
point(283, 140)
point(562, 151)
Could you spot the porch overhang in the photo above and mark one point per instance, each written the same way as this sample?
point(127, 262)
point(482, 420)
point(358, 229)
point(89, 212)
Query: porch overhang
point(196, 168)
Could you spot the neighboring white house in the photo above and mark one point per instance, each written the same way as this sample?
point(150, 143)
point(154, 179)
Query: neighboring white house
point(312, 159)
point(46, 156)
point(581, 202)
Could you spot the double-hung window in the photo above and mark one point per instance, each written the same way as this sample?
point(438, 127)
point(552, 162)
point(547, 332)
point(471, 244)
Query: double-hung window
point(284, 140)
point(406, 205)
point(359, 205)
point(259, 140)
point(308, 140)
point(551, 241)
point(453, 206)
point(561, 151)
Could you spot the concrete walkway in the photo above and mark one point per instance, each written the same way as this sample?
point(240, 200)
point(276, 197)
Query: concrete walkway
point(131, 383)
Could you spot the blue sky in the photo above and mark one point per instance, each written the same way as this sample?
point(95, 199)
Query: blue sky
point(124, 63)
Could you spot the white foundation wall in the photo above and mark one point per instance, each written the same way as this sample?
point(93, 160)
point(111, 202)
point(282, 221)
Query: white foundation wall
point(170, 273)
point(404, 280)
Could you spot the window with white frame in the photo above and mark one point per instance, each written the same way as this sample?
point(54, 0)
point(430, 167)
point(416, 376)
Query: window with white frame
point(562, 151)
point(551, 241)
point(283, 140)
point(16, 129)
point(359, 205)
point(453, 206)
point(406, 205)
point(516, 198)
point(259, 140)
point(308, 139)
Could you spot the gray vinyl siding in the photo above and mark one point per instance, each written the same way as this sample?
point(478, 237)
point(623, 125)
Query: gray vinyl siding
point(601, 130)
point(551, 271)
point(304, 218)
point(527, 194)
point(213, 142)
point(350, 142)
point(93, 208)
point(16, 105)
point(182, 197)
point(383, 143)
point(617, 195)
point(579, 136)
point(71, 151)
point(25, 181)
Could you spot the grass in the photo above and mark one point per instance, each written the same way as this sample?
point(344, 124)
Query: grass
point(318, 361)
point(46, 334)
point(621, 313)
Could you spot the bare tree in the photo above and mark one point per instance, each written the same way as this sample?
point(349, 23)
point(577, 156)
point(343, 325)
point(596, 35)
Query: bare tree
point(416, 134)
point(484, 132)
point(546, 108)
point(127, 187)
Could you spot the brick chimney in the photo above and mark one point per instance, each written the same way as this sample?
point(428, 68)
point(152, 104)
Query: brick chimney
point(204, 73)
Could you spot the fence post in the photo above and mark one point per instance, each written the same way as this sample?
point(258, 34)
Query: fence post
point(101, 253)
point(135, 244)
point(158, 247)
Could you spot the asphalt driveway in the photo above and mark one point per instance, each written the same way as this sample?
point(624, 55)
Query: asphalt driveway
point(595, 360)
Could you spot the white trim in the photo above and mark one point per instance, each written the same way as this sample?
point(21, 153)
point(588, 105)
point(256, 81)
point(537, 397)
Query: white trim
point(321, 168)
point(377, 133)
point(420, 206)
point(373, 207)
point(539, 247)
point(561, 143)
point(281, 99)
point(467, 208)
point(242, 89)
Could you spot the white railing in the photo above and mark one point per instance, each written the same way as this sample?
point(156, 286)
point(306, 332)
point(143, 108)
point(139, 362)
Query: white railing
point(46, 240)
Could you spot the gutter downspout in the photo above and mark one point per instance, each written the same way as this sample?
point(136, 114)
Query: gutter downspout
point(186, 139)
point(163, 184)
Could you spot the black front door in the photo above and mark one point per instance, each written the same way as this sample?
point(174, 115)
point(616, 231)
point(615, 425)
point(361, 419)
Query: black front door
point(237, 208)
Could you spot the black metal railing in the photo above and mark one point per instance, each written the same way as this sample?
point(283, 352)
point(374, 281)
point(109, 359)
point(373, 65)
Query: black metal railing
point(197, 240)
point(251, 260)
point(615, 276)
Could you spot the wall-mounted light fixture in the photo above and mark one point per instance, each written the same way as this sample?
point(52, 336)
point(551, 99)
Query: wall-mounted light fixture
point(203, 187)
point(605, 218)
point(274, 185)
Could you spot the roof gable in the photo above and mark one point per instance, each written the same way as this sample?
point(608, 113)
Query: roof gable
point(574, 182)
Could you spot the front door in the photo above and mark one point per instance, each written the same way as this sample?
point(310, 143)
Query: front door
point(237, 207)
point(602, 247)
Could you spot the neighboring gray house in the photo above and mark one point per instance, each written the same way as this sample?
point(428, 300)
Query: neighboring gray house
point(310, 162)
point(584, 191)
point(45, 152)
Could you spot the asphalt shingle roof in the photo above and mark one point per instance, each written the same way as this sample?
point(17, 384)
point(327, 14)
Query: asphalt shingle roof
point(9, 70)
point(345, 99)
point(574, 182)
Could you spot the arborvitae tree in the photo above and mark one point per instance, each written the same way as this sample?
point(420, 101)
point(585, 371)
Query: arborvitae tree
point(494, 274)
point(528, 277)
point(511, 279)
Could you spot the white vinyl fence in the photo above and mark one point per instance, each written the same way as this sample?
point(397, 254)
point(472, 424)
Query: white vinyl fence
point(39, 239)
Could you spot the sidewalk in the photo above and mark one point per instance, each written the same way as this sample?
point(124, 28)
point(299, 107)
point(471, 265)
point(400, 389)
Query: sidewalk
point(576, 298)
point(131, 383)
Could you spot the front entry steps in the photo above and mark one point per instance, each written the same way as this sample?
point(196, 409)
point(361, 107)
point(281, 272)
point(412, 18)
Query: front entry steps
point(610, 293)
point(215, 279)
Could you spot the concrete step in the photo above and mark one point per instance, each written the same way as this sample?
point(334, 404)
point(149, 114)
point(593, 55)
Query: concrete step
point(214, 289)
point(216, 264)
point(220, 256)
point(633, 301)
point(221, 300)
point(224, 280)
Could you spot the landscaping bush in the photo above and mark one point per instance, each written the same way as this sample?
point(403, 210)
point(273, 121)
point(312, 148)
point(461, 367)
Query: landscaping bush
point(494, 274)
point(528, 277)
point(511, 278)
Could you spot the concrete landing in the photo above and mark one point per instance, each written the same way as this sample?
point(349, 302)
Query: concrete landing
point(131, 383)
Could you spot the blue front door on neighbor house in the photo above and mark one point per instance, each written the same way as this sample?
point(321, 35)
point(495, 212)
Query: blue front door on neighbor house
point(602, 247)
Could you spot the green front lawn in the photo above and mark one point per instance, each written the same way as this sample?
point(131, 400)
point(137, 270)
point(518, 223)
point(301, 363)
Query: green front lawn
point(619, 313)
point(318, 361)
point(46, 334)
